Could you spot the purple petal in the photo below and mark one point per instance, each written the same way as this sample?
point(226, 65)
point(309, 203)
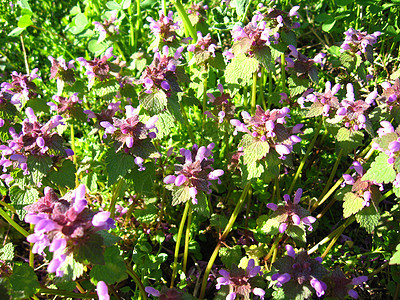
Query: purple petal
point(152, 291)
point(102, 291)
point(180, 179)
point(290, 251)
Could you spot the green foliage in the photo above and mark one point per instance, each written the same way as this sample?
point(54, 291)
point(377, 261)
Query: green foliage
point(381, 170)
point(118, 164)
point(7, 252)
point(91, 250)
point(23, 282)
point(230, 256)
point(20, 198)
point(114, 269)
point(352, 204)
point(240, 70)
point(348, 140)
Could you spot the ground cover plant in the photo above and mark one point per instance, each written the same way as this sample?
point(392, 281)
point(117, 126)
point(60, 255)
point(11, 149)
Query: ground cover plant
point(200, 150)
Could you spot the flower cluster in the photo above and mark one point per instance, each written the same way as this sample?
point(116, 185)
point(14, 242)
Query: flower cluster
point(302, 271)
point(99, 68)
point(22, 88)
point(65, 105)
point(131, 134)
point(357, 41)
point(223, 109)
point(63, 225)
point(340, 286)
point(362, 188)
point(160, 74)
point(197, 12)
point(107, 28)
point(291, 213)
point(267, 126)
point(62, 70)
point(204, 47)
point(239, 281)
point(35, 139)
point(391, 93)
point(165, 27)
point(303, 65)
point(106, 114)
point(194, 171)
point(284, 20)
point(325, 104)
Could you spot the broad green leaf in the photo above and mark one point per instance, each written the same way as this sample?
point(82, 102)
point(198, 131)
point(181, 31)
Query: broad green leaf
point(297, 233)
point(21, 198)
point(264, 57)
point(25, 21)
point(7, 252)
point(16, 31)
point(72, 269)
point(327, 26)
point(91, 250)
point(230, 256)
point(240, 70)
point(118, 164)
point(180, 195)
point(201, 208)
point(251, 171)
point(352, 204)
point(154, 102)
point(112, 5)
point(147, 214)
point(164, 124)
point(218, 221)
point(297, 85)
point(395, 260)
point(114, 269)
point(63, 176)
point(38, 167)
point(25, 5)
point(90, 181)
point(348, 60)
point(109, 238)
point(240, 6)
point(253, 149)
point(143, 181)
point(348, 140)
point(106, 89)
point(380, 171)
point(23, 282)
point(368, 218)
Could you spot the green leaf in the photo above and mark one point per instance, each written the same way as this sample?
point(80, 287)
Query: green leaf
point(180, 194)
point(72, 269)
point(106, 89)
point(21, 198)
point(240, 70)
point(7, 252)
point(16, 31)
point(297, 85)
point(90, 181)
point(380, 171)
point(164, 124)
point(297, 233)
point(201, 208)
point(271, 169)
point(112, 5)
point(25, 5)
point(251, 171)
point(352, 204)
point(109, 238)
point(264, 57)
point(154, 102)
point(147, 214)
point(395, 260)
point(348, 140)
point(25, 21)
point(218, 221)
point(230, 256)
point(63, 176)
point(327, 26)
point(114, 269)
point(38, 167)
point(91, 250)
point(253, 149)
point(348, 60)
point(23, 282)
point(143, 181)
point(368, 218)
point(118, 164)
point(240, 6)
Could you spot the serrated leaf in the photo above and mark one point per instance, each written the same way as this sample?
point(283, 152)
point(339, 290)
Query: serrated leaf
point(21, 198)
point(180, 195)
point(23, 282)
point(297, 85)
point(118, 164)
point(114, 269)
point(348, 140)
point(230, 256)
point(251, 171)
point(217, 62)
point(352, 204)
point(240, 6)
point(91, 250)
point(90, 181)
point(395, 260)
point(154, 102)
point(109, 238)
point(64, 176)
point(7, 252)
point(201, 208)
point(164, 124)
point(297, 233)
point(38, 167)
point(271, 168)
point(368, 218)
point(316, 109)
point(264, 57)
point(240, 70)
point(147, 214)
point(380, 171)
point(143, 181)
point(253, 149)
point(271, 227)
point(106, 89)
point(348, 60)
point(72, 269)
point(218, 221)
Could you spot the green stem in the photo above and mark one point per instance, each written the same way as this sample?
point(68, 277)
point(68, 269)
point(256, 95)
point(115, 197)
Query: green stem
point(303, 161)
point(13, 223)
point(254, 93)
point(245, 100)
point(185, 19)
point(283, 73)
point(186, 120)
point(164, 7)
point(203, 117)
point(44, 290)
point(116, 45)
point(74, 150)
point(178, 243)
point(262, 89)
point(116, 191)
point(31, 254)
point(25, 56)
point(338, 234)
point(187, 240)
point(138, 24)
point(137, 280)
point(271, 251)
point(228, 228)
point(131, 28)
point(270, 89)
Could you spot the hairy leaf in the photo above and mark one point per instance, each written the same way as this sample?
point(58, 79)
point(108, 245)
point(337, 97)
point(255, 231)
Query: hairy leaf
point(352, 204)
point(21, 198)
point(114, 269)
point(240, 70)
point(23, 282)
point(380, 171)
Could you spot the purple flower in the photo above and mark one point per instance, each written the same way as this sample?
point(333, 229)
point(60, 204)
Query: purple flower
point(107, 28)
point(357, 41)
point(62, 70)
point(165, 27)
point(222, 107)
point(299, 269)
point(340, 286)
point(239, 283)
point(102, 291)
point(194, 171)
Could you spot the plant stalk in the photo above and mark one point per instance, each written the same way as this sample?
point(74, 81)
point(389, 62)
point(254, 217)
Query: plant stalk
point(13, 223)
point(254, 93)
point(187, 240)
